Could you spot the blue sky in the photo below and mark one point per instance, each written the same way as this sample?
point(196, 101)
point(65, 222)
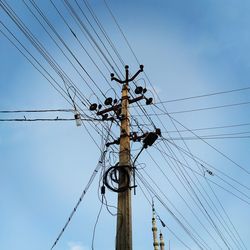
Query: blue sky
point(188, 48)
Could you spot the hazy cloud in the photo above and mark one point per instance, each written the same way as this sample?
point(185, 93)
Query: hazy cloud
point(77, 246)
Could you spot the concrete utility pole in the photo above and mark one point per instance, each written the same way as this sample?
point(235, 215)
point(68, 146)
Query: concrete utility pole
point(124, 217)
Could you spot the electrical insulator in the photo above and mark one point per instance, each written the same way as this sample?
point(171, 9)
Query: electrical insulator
point(138, 90)
point(77, 117)
point(93, 107)
point(150, 139)
point(108, 101)
point(149, 101)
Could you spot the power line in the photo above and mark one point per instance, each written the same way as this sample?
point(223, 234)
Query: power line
point(54, 31)
point(195, 196)
point(36, 111)
point(47, 57)
point(208, 108)
point(99, 165)
point(188, 167)
point(199, 109)
point(211, 146)
point(202, 163)
point(206, 95)
point(46, 119)
point(208, 138)
point(232, 234)
point(209, 128)
point(155, 194)
point(181, 196)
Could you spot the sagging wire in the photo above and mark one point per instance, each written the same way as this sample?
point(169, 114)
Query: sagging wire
point(102, 157)
point(97, 219)
point(162, 223)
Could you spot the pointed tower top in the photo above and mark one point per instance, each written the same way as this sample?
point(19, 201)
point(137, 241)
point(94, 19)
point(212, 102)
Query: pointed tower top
point(162, 244)
point(154, 229)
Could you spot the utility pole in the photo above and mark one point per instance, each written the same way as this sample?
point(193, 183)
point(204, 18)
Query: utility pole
point(124, 217)
point(118, 178)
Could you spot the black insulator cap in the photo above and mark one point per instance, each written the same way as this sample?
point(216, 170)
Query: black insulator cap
point(126, 66)
point(158, 131)
point(115, 101)
point(105, 117)
point(134, 136)
point(141, 67)
point(150, 139)
point(144, 90)
point(77, 116)
point(112, 75)
point(108, 101)
point(149, 101)
point(138, 90)
point(93, 106)
point(99, 106)
point(162, 223)
point(119, 111)
point(103, 189)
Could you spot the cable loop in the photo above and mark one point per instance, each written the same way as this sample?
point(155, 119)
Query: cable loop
point(115, 175)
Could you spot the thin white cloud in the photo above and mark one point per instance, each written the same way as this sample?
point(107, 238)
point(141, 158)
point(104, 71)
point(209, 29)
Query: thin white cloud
point(77, 246)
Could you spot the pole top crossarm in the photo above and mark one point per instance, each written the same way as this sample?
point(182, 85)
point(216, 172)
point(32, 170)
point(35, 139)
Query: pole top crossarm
point(113, 78)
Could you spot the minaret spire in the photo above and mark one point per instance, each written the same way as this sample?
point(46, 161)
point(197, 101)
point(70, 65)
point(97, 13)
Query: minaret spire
point(162, 244)
point(154, 229)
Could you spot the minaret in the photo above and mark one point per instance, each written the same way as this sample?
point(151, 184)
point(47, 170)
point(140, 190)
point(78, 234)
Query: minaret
point(162, 244)
point(154, 229)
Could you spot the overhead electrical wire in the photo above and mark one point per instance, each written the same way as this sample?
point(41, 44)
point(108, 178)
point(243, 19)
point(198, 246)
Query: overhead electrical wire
point(99, 165)
point(101, 27)
point(130, 47)
point(191, 185)
point(40, 49)
point(36, 111)
point(183, 176)
point(175, 235)
point(38, 120)
point(155, 194)
point(146, 114)
point(206, 95)
point(97, 35)
point(73, 33)
point(112, 45)
point(210, 180)
point(213, 147)
point(126, 40)
point(209, 128)
point(59, 88)
point(181, 196)
point(72, 13)
point(210, 166)
point(208, 138)
point(183, 218)
point(196, 110)
point(57, 35)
